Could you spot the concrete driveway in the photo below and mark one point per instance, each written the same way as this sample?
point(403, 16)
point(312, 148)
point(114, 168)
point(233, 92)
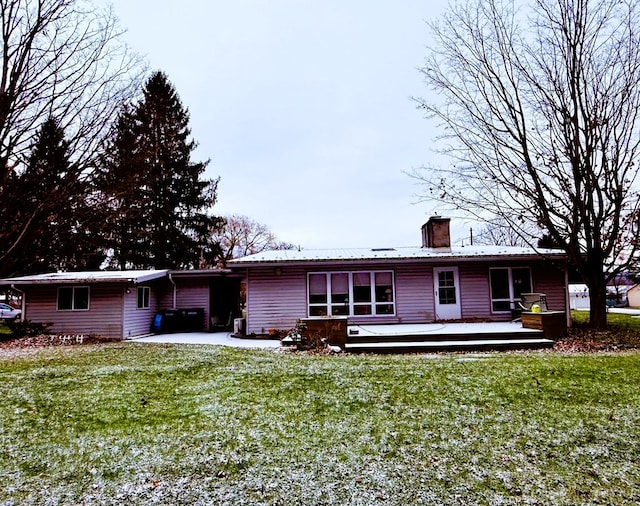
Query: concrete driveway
point(217, 338)
point(624, 310)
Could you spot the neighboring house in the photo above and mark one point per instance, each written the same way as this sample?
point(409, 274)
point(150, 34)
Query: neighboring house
point(620, 292)
point(435, 282)
point(123, 304)
point(633, 296)
point(579, 296)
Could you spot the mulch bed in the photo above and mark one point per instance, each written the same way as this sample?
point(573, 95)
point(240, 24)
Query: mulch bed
point(46, 340)
point(578, 340)
point(586, 340)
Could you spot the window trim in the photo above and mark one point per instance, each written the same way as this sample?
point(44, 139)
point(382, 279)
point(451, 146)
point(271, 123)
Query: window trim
point(512, 296)
point(374, 305)
point(147, 290)
point(73, 298)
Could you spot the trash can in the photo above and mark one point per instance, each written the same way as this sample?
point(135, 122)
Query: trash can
point(156, 326)
point(193, 319)
point(166, 321)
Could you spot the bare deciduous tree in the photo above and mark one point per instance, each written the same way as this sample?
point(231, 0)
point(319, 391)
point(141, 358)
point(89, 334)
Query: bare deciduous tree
point(242, 236)
point(540, 106)
point(62, 60)
point(498, 232)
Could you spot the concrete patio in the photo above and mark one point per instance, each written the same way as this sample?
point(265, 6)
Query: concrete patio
point(215, 338)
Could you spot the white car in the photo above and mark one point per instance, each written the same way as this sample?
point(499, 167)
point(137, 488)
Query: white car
point(9, 313)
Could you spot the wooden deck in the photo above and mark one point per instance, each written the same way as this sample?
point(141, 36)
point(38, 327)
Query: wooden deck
point(443, 337)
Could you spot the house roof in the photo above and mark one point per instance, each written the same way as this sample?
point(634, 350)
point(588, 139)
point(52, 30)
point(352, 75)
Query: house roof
point(202, 273)
point(385, 254)
point(134, 277)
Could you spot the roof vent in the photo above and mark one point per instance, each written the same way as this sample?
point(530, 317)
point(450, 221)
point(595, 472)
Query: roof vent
point(383, 249)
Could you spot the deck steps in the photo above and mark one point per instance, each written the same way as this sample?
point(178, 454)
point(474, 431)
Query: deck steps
point(446, 337)
point(448, 345)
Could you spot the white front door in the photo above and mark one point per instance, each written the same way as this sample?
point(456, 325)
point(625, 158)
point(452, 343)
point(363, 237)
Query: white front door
point(447, 293)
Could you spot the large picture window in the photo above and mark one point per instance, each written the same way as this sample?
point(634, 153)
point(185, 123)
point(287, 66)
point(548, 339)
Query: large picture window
point(73, 298)
point(507, 286)
point(361, 293)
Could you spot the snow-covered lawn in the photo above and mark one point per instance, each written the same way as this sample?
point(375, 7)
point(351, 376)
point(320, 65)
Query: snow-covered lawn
point(171, 424)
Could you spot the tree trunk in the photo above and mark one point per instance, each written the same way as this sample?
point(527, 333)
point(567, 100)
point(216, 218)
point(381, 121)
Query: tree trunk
point(595, 280)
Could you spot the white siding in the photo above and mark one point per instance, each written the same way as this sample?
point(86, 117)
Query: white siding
point(275, 302)
point(103, 318)
point(633, 296)
point(138, 322)
point(414, 293)
point(194, 293)
point(475, 294)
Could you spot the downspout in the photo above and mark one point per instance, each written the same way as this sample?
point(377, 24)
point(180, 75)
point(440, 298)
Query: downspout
point(23, 304)
point(123, 318)
point(175, 291)
point(567, 296)
point(245, 309)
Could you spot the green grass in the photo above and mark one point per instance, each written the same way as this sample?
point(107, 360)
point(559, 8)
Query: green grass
point(144, 424)
point(617, 321)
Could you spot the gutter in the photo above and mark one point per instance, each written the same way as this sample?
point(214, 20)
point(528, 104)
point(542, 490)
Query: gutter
point(23, 304)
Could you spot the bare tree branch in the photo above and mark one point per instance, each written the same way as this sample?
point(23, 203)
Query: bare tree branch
point(62, 59)
point(242, 236)
point(539, 109)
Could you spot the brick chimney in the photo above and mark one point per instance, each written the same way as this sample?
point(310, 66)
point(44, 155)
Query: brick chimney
point(435, 233)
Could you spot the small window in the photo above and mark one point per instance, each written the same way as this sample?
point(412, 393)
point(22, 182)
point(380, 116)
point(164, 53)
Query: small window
point(384, 293)
point(144, 294)
point(318, 295)
point(362, 293)
point(340, 294)
point(73, 298)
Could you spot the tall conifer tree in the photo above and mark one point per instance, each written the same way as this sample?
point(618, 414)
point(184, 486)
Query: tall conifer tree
point(120, 180)
point(50, 194)
point(159, 207)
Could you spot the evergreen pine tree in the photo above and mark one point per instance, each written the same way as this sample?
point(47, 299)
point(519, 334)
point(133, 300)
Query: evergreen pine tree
point(50, 193)
point(158, 203)
point(120, 180)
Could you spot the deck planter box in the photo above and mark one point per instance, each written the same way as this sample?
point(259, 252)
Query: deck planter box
point(552, 323)
point(334, 328)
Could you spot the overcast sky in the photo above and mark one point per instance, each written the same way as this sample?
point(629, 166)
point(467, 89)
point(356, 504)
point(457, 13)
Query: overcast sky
point(303, 107)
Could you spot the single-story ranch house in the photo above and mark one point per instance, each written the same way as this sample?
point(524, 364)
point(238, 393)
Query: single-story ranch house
point(124, 304)
point(434, 282)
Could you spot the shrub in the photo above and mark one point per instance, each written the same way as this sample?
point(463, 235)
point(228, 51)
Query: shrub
point(304, 341)
point(27, 328)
